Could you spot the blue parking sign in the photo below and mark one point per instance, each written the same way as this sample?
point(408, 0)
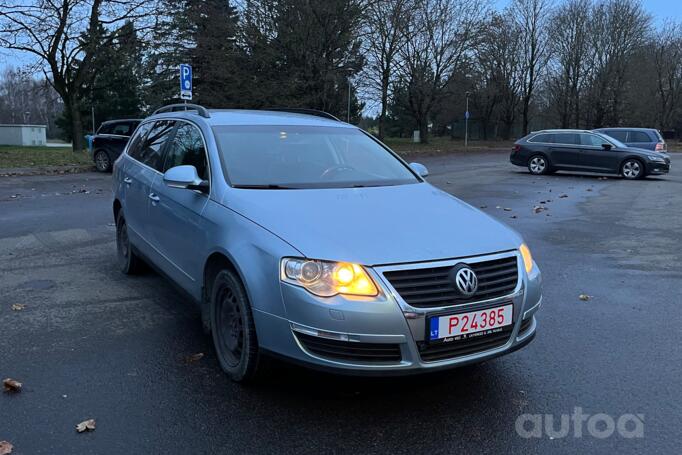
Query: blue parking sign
point(185, 82)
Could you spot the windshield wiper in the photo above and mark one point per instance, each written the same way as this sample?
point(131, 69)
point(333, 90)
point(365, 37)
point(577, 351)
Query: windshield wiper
point(265, 187)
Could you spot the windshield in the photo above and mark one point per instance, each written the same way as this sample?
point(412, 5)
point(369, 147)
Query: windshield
point(306, 157)
point(612, 140)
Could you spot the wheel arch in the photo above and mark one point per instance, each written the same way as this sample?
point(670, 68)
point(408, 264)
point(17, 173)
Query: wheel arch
point(215, 262)
point(535, 153)
point(116, 208)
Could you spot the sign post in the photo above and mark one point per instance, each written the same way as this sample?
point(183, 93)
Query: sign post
point(185, 82)
point(466, 124)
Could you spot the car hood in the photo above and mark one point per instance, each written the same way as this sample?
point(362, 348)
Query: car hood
point(375, 225)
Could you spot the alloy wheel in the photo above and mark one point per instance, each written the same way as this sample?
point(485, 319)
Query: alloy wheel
point(631, 169)
point(102, 161)
point(538, 165)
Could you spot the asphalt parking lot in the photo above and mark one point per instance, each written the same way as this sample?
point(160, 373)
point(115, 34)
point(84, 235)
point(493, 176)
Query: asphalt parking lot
point(92, 343)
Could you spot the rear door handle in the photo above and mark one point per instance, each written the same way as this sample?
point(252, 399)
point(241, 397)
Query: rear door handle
point(127, 180)
point(154, 197)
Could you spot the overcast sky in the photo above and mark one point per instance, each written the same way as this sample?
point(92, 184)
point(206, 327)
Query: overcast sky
point(662, 10)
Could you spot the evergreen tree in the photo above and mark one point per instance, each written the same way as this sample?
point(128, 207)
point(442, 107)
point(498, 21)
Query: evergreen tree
point(202, 34)
point(114, 80)
point(303, 52)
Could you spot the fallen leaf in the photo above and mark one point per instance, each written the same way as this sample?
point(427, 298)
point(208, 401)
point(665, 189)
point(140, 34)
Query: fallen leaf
point(18, 306)
point(513, 216)
point(589, 189)
point(563, 195)
point(538, 209)
point(483, 207)
point(11, 385)
point(498, 207)
point(584, 297)
point(507, 209)
point(86, 425)
point(194, 357)
point(5, 447)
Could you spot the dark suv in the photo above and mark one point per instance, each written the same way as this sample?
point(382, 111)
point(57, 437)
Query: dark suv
point(110, 140)
point(547, 151)
point(642, 138)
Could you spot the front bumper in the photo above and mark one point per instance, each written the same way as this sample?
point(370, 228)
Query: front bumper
point(657, 168)
point(314, 327)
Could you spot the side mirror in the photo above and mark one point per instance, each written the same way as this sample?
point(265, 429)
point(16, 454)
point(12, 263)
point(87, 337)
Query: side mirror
point(607, 147)
point(420, 169)
point(185, 177)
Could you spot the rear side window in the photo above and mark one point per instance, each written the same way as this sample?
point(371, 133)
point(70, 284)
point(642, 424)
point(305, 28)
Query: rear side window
point(105, 128)
point(547, 138)
point(187, 148)
point(618, 134)
point(566, 138)
point(136, 143)
point(122, 129)
point(151, 151)
point(639, 136)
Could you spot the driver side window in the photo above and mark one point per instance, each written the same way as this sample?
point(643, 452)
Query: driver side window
point(592, 140)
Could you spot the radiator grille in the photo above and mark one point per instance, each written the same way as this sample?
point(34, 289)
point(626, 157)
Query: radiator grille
point(432, 287)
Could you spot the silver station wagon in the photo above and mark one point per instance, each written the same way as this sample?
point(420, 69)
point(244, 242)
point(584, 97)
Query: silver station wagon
point(302, 236)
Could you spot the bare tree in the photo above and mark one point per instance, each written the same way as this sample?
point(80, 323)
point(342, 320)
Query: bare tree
point(386, 34)
point(667, 59)
point(569, 41)
point(64, 36)
point(618, 28)
point(441, 33)
point(501, 60)
point(532, 17)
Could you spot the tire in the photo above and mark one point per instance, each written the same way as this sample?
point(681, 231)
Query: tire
point(128, 262)
point(539, 165)
point(632, 169)
point(102, 161)
point(233, 329)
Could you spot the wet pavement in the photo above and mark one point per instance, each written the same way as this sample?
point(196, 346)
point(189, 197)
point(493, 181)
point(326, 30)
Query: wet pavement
point(92, 343)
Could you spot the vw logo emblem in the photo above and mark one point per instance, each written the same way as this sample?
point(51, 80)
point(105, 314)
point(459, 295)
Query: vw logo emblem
point(465, 280)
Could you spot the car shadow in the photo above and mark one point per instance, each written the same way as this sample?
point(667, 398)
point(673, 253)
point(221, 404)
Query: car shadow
point(592, 176)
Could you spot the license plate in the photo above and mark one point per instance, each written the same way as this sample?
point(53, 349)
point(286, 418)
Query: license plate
point(461, 325)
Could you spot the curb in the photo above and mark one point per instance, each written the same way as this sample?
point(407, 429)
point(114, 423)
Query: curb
point(45, 170)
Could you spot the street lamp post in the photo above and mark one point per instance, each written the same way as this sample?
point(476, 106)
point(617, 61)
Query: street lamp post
point(466, 123)
point(348, 113)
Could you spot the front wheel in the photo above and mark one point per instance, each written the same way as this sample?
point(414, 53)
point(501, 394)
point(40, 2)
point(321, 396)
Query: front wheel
point(632, 169)
point(538, 165)
point(233, 329)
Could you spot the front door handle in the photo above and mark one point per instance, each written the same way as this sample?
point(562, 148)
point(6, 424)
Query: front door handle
point(127, 180)
point(154, 197)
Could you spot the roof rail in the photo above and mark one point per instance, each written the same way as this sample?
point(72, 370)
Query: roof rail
point(300, 110)
point(202, 111)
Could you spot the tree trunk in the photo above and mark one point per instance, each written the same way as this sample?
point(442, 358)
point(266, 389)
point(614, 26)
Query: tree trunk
point(423, 131)
point(76, 125)
point(526, 102)
point(384, 106)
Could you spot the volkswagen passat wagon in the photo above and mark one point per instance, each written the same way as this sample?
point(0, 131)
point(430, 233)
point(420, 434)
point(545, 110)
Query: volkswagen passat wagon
point(302, 236)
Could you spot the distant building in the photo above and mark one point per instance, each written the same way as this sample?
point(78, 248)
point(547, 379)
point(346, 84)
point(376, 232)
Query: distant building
point(23, 135)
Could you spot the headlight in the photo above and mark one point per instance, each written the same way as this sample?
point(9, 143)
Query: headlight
point(658, 159)
point(527, 258)
point(326, 279)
